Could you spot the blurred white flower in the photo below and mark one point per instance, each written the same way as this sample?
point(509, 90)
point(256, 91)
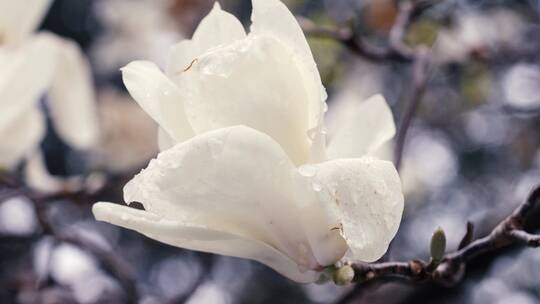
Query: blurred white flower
point(30, 66)
point(128, 137)
point(521, 86)
point(478, 32)
point(17, 217)
point(210, 293)
point(128, 38)
point(428, 163)
point(244, 169)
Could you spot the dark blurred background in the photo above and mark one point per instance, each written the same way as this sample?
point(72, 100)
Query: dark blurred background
point(472, 154)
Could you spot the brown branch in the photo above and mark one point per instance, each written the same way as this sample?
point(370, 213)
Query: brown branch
point(399, 29)
point(396, 51)
point(451, 269)
point(356, 44)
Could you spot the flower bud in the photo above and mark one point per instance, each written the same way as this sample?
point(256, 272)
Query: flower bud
point(343, 275)
point(438, 245)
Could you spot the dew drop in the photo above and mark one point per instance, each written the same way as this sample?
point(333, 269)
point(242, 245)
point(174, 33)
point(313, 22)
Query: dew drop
point(312, 133)
point(324, 131)
point(307, 170)
point(325, 106)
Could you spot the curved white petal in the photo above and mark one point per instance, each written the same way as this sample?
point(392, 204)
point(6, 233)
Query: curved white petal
point(217, 28)
point(254, 82)
point(319, 218)
point(367, 195)
point(272, 17)
point(21, 137)
point(234, 179)
point(159, 97)
point(72, 99)
point(201, 238)
point(26, 74)
point(20, 18)
point(369, 128)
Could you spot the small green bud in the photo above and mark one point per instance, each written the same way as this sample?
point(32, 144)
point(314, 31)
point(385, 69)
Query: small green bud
point(438, 245)
point(343, 275)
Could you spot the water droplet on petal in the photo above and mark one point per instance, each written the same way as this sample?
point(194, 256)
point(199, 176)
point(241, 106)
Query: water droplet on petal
point(307, 170)
point(324, 131)
point(312, 133)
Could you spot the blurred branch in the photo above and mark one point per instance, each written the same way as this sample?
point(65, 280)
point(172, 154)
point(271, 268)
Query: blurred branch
point(396, 51)
point(355, 44)
point(451, 269)
point(110, 262)
point(420, 77)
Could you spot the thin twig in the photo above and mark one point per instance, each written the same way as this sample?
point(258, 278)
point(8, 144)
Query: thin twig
point(420, 70)
point(356, 44)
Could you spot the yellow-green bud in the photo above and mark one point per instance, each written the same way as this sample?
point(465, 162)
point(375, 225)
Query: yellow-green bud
point(343, 275)
point(438, 245)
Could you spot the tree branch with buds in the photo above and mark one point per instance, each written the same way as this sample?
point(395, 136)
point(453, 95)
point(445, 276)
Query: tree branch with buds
point(448, 269)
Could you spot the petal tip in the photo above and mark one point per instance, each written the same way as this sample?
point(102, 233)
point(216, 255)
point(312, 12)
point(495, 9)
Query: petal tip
point(102, 211)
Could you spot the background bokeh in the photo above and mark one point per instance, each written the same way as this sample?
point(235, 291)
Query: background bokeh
point(472, 153)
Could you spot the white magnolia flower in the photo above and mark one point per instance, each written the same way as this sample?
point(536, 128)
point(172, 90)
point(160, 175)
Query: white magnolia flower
point(32, 64)
point(244, 170)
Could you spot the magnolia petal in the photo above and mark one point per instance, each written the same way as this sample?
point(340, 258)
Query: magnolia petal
point(159, 97)
point(26, 74)
point(217, 28)
point(181, 57)
point(233, 179)
point(72, 100)
point(201, 238)
point(320, 219)
point(371, 126)
point(368, 194)
point(264, 22)
point(270, 98)
point(164, 140)
point(21, 136)
point(20, 18)
point(264, 16)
